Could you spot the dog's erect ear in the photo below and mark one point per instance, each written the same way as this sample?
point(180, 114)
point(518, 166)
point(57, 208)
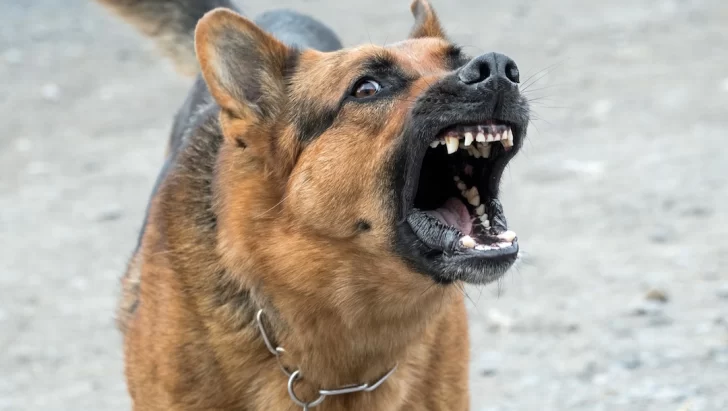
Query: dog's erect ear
point(243, 66)
point(426, 22)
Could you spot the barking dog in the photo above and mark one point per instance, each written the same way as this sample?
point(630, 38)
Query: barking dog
point(317, 210)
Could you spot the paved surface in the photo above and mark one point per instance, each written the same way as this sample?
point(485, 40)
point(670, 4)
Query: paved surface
point(618, 198)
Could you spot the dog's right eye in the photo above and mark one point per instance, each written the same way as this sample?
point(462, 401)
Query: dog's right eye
point(366, 88)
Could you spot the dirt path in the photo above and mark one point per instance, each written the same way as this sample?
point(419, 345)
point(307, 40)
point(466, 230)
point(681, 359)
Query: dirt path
point(621, 190)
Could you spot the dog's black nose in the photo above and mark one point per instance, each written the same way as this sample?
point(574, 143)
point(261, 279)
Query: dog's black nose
point(489, 66)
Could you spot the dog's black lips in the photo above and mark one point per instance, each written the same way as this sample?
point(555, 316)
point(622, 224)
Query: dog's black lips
point(447, 104)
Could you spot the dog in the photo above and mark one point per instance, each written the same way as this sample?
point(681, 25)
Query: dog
point(318, 211)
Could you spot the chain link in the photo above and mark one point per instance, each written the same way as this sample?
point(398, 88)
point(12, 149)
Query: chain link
point(296, 375)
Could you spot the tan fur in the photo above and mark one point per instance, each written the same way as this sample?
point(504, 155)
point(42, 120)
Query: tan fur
point(286, 237)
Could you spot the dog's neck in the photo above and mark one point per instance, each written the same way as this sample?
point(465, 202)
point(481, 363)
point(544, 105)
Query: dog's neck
point(332, 351)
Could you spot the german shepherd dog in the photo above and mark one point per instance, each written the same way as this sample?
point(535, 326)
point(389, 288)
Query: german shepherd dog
point(317, 212)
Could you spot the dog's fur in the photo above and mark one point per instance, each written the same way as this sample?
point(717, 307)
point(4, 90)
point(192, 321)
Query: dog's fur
point(274, 196)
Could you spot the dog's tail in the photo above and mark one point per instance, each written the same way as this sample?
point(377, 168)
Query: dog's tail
point(171, 23)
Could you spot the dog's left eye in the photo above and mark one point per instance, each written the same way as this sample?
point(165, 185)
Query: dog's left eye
point(366, 88)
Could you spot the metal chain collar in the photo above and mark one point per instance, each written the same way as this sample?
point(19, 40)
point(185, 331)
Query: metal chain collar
point(296, 375)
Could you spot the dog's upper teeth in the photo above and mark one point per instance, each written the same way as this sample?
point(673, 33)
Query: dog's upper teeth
point(481, 136)
point(468, 138)
point(435, 143)
point(452, 144)
point(507, 141)
point(480, 210)
point(461, 186)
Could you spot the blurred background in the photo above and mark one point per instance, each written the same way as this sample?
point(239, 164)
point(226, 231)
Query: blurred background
point(620, 302)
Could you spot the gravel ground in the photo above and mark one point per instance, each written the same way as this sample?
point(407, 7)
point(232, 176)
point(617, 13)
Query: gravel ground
point(621, 300)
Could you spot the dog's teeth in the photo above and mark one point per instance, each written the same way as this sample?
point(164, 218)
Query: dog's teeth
point(490, 137)
point(467, 241)
point(498, 137)
point(468, 138)
point(456, 178)
point(480, 210)
point(480, 137)
point(484, 221)
point(473, 196)
point(462, 186)
point(483, 247)
point(435, 143)
point(474, 151)
point(508, 140)
point(503, 244)
point(472, 192)
point(507, 236)
point(484, 150)
point(452, 144)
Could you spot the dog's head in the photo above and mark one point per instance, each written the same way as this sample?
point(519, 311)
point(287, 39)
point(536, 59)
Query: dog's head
point(394, 152)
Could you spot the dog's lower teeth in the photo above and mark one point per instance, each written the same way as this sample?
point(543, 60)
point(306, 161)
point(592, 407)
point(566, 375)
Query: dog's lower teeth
point(467, 242)
point(472, 193)
point(484, 221)
point(484, 150)
point(507, 236)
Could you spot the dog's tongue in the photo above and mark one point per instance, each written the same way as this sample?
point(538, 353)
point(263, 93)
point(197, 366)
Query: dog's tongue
point(454, 213)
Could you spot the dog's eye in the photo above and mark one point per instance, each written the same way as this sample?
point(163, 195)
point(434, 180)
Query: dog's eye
point(366, 88)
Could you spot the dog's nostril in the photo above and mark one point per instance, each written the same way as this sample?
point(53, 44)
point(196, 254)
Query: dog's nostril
point(482, 68)
point(512, 72)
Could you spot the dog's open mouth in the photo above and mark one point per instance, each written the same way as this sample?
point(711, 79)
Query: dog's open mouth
point(456, 210)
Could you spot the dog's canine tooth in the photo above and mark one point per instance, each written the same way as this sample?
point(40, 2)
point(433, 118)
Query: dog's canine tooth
point(484, 150)
point(508, 140)
point(468, 138)
point(452, 144)
point(467, 241)
point(480, 210)
point(507, 236)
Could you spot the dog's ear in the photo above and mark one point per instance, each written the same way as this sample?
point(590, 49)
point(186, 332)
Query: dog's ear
point(242, 65)
point(426, 21)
